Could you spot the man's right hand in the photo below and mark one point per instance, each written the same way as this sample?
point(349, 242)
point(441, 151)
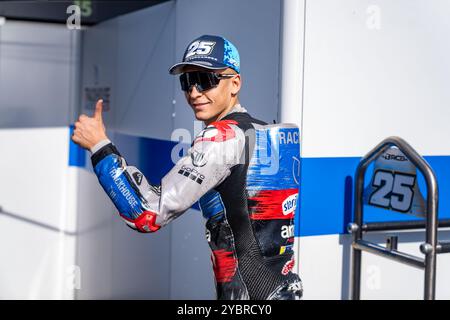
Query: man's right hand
point(90, 130)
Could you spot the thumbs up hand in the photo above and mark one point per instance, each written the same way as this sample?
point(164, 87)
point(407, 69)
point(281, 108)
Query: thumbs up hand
point(90, 130)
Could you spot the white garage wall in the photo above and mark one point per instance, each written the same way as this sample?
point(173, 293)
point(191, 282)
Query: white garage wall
point(38, 81)
point(372, 69)
point(375, 69)
point(38, 74)
point(127, 54)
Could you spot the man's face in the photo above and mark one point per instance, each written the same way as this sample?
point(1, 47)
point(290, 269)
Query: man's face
point(214, 103)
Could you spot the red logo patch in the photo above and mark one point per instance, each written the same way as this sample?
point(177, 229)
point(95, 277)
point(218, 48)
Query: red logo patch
point(288, 267)
point(218, 131)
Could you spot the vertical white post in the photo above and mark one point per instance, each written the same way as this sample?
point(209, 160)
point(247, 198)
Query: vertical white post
point(291, 69)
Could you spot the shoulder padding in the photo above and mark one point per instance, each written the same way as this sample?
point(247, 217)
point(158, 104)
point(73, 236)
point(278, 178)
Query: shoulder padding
point(218, 131)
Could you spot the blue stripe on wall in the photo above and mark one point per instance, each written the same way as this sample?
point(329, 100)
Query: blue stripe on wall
point(77, 155)
point(326, 189)
point(326, 195)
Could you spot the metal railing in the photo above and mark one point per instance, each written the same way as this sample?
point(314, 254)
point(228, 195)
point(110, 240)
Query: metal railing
point(431, 246)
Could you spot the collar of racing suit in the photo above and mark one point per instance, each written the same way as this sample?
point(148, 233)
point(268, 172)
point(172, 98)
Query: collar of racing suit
point(236, 108)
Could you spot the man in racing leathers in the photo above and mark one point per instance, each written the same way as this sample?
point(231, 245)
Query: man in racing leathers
point(239, 169)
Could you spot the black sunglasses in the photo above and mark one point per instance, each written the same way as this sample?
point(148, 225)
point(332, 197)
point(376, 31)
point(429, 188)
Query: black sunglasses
point(201, 80)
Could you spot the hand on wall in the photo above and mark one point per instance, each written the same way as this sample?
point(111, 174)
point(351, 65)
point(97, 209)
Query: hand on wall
point(90, 130)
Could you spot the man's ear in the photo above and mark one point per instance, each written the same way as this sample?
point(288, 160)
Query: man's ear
point(236, 84)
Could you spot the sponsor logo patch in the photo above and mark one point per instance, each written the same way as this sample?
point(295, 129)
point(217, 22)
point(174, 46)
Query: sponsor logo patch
point(287, 231)
point(198, 159)
point(192, 174)
point(137, 176)
point(286, 249)
point(289, 137)
point(290, 204)
point(218, 131)
point(395, 157)
point(288, 267)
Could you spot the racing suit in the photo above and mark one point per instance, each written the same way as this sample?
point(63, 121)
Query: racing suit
point(242, 172)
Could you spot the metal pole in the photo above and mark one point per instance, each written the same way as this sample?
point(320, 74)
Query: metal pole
point(357, 234)
point(358, 220)
point(355, 271)
point(431, 238)
point(429, 248)
point(390, 254)
point(402, 225)
point(432, 214)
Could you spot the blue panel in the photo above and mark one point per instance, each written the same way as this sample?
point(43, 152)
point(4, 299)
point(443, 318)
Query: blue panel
point(326, 197)
point(77, 155)
point(441, 167)
point(276, 153)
